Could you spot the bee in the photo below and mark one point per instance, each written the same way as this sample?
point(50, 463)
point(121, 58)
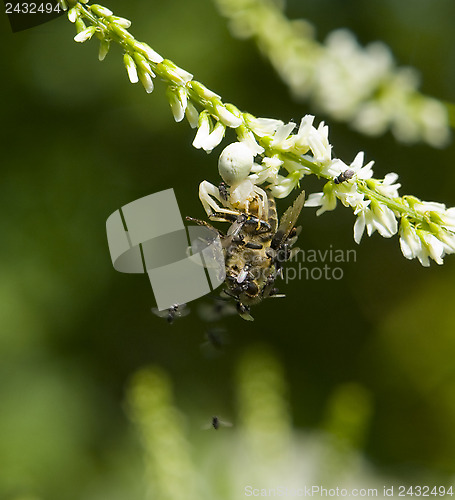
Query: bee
point(175, 311)
point(255, 249)
point(344, 176)
point(216, 423)
point(256, 245)
point(217, 310)
point(216, 340)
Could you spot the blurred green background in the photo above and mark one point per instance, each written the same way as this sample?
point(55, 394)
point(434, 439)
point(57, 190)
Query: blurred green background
point(78, 142)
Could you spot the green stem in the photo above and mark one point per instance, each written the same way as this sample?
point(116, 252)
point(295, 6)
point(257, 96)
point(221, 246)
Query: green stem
point(393, 203)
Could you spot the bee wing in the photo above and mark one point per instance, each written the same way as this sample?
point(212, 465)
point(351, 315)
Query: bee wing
point(220, 423)
point(160, 314)
point(225, 424)
point(217, 310)
point(179, 312)
point(216, 340)
point(288, 221)
point(182, 311)
point(236, 226)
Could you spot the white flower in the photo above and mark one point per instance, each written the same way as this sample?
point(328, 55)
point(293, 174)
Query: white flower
point(228, 118)
point(327, 200)
point(120, 21)
point(146, 81)
point(384, 220)
point(361, 171)
point(318, 140)
point(246, 137)
point(204, 126)
point(423, 245)
point(314, 200)
point(292, 166)
point(335, 168)
point(302, 137)
point(285, 185)
point(267, 171)
point(215, 137)
point(423, 207)
point(371, 118)
point(348, 195)
point(143, 64)
point(104, 49)
point(273, 162)
point(307, 138)
point(437, 212)
point(281, 138)
point(346, 74)
point(203, 91)
point(100, 10)
point(387, 187)
point(122, 33)
point(281, 186)
point(435, 117)
point(206, 138)
point(448, 218)
point(448, 240)
point(346, 192)
point(85, 34)
point(148, 52)
point(192, 114)
point(178, 100)
point(434, 247)
point(73, 14)
point(410, 243)
point(364, 220)
point(263, 126)
point(130, 66)
point(378, 217)
point(178, 75)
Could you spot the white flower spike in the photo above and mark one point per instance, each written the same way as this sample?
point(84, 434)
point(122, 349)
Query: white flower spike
point(426, 230)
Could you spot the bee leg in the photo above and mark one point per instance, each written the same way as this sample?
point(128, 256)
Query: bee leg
point(224, 191)
point(224, 294)
point(200, 222)
point(268, 287)
point(244, 312)
point(256, 225)
point(224, 216)
point(274, 294)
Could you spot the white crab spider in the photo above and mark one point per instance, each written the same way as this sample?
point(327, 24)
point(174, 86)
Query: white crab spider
point(234, 165)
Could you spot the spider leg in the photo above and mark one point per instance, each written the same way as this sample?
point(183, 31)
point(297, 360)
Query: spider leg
point(210, 199)
point(263, 210)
